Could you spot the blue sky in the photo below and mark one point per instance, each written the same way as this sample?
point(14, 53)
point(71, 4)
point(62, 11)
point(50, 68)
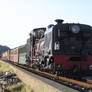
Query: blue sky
point(19, 17)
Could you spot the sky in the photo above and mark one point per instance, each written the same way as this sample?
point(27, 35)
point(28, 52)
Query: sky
point(19, 17)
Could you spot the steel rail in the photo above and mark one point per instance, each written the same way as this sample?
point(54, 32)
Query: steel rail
point(68, 81)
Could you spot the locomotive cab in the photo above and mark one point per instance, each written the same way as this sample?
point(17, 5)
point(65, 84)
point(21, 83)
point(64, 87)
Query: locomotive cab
point(34, 47)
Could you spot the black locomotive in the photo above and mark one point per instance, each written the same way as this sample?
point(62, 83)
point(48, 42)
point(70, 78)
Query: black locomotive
point(62, 48)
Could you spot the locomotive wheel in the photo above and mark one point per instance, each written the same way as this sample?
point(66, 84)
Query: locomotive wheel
point(27, 63)
point(52, 65)
point(53, 70)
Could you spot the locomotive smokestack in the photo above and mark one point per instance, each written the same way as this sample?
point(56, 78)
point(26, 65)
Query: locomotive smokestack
point(59, 21)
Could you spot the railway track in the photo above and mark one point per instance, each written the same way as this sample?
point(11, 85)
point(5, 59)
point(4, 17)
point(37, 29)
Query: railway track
point(79, 85)
point(88, 79)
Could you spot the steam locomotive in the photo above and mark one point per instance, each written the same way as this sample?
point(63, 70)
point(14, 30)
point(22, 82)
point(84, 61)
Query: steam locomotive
point(62, 48)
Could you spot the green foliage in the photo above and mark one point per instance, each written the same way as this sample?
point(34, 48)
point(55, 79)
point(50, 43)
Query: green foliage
point(15, 87)
point(20, 87)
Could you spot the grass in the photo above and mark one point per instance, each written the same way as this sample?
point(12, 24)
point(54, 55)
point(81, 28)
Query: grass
point(5, 67)
point(19, 87)
point(15, 87)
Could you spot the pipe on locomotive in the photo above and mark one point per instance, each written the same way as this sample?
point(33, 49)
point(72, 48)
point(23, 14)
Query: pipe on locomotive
point(59, 21)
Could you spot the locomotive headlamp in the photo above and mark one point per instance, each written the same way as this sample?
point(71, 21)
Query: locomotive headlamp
point(75, 29)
